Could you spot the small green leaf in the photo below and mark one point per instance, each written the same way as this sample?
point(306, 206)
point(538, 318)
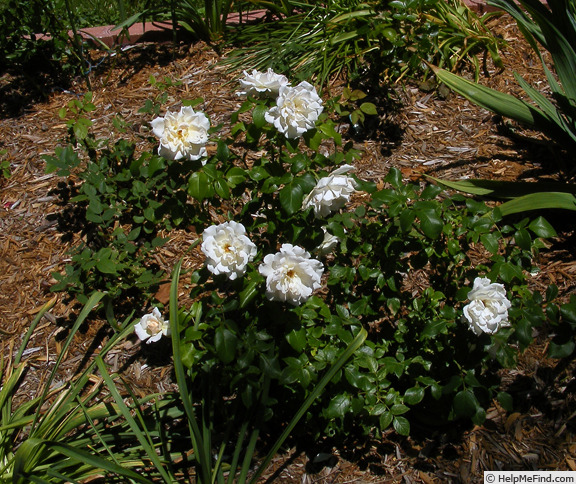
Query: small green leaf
point(258, 115)
point(297, 339)
point(222, 189)
point(542, 228)
point(523, 239)
point(291, 197)
point(107, 266)
point(338, 406)
point(491, 242)
point(236, 175)
point(368, 108)
point(465, 404)
point(198, 186)
point(414, 395)
point(401, 425)
point(561, 350)
point(506, 400)
point(225, 342)
point(399, 409)
point(222, 152)
point(259, 173)
point(385, 420)
point(430, 223)
point(249, 292)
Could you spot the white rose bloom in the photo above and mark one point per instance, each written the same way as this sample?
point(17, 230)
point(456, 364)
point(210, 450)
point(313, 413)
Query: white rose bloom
point(227, 248)
point(331, 193)
point(291, 276)
point(152, 327)
point(182, 135)
point(266, 84)
point(328, 244)
point(297, 110)
point(488, 308)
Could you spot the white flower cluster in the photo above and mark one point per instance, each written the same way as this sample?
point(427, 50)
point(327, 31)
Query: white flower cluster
point(182, 135)
point(297, 107)
point(152, 327)
point(265, 84)
point(488, 308)
point(291, 275)
point(227, 249)
point(331, 192)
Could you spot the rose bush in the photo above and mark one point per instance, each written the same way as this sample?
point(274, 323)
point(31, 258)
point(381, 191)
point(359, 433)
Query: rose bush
point(182, 135)
point(397, 263)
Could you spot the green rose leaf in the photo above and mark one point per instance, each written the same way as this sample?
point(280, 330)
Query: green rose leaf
point(561, 350)
point(338, 406)
point(297, 339)
point(222, 152)
point(523, 239)
point(401, 425)
point(105, 264)
point(542, 228)
point(258, 115)
point(399, 409)
point(568, 311)
point(385, 420)
point(505, 399)
point(198, 186)
point(222, 189)
point(490, 241)
point(430, 223)
point(465, 404)
point(258, 173)
point(226, 343)
point(414, 395)
point(291, 197)
point(236, 175)
point(368, 108)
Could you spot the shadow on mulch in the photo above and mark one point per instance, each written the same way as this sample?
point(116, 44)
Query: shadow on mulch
point(22, 87)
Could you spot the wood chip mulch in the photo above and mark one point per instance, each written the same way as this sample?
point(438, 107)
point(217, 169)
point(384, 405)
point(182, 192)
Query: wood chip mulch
point(446, 137)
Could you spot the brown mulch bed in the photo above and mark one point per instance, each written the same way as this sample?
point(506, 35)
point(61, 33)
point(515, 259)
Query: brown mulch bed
point(444, 137)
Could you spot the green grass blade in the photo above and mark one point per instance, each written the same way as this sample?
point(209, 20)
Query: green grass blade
point(203, 454)
point(144, 440)
point(342, 359)
point(539, 201)
point(495, 101)
point(49, 305)
point(504, 189)
point(90, 304)
point(80, 456)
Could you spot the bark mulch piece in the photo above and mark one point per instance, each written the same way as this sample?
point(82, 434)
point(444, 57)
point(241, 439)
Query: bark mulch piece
point(444, 137)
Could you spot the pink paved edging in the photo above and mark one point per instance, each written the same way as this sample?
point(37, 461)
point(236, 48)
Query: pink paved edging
point(149, 31)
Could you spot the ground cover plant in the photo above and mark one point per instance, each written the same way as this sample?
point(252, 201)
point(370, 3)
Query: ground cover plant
point(301, 256)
